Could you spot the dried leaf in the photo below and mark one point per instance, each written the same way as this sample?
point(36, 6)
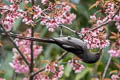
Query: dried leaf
point(113, 33)
point(105, 27)
point(1, 43)
point(1, 3)
point(44, 61)
point(1, 72)
point(113, 37)
point(36, 35)
point(94, 79)
point(94, 5)
point(117, 65)
point(72, 5)
point(113, 71)
point(106, 2)
point(107, 79)
point(118, 35)
point(67, 2)
point(118, 0)
point(102, 1)
point(57, 2)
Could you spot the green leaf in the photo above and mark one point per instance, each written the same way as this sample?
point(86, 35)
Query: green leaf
point(68, 69)
point(16, 24)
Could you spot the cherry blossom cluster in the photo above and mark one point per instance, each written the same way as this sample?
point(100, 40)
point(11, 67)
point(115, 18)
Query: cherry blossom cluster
point(11, 16)
point(115, 77)
point(2, 79)
point(95, 39)
point(114, 52)
point(44, 1)
point(117, 19)
point(77, 67)
point(18, 1)
point(11, 13)
point(111, 15)
point(110, 11)
point(58, 14)
point(52, 71)
point(30, 15)
point(51, 17)
point(24, 45)
point(55, 69)
point(115, 49)
point(14, 12)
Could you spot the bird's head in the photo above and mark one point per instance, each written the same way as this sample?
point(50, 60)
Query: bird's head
point(91, 57)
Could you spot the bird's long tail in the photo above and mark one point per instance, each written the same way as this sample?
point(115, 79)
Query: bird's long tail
point(34, 39)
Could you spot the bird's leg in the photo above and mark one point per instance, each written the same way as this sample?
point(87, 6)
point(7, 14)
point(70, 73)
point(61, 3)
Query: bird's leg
point(61, 32)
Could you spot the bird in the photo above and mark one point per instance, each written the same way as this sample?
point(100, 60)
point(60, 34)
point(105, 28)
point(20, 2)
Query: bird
point(70, 44)
point(75, 46)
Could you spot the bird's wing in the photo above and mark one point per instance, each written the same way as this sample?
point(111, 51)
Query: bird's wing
point(69, 44)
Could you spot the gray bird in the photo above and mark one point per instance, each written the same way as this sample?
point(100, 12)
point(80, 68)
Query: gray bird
point(70, 44)
point(75, 46)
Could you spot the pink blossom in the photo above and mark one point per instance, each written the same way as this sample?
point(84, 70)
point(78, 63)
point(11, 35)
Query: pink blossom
point(115, 77)
point(51, 67)
point(37, 12)
point(13, 1)
point(44, 1)
point(51, 25)
point(24, 45)
point(77, 67)
point(64, 17)
point(11, 16)
point(19, 65)
point(91, 37)
point(37, 50)
point(26, 1)
point(2, 79)
point(56, 70)
point(93, 18)
point(114, 52)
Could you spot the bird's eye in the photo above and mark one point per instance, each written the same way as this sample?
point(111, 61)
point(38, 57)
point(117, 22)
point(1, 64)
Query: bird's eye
point(69, 37)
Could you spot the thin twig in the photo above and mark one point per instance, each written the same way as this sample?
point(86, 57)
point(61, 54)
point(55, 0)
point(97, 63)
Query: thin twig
point(106, 22)
point(31, 47)
point(106, 68)
point(12, 41)
point(32, 54)
point(14, 76)
point(68, 28)
point(31, 38)
point(60, 58)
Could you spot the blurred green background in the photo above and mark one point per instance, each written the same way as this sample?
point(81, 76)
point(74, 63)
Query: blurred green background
point(52, 52)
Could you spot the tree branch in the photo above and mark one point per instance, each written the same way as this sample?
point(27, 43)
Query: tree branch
point(60, 58)
point(31, 38)
point(106, 68)
point(32, 54)
point(106, 22)
point(10, 38)
point(31, 67)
